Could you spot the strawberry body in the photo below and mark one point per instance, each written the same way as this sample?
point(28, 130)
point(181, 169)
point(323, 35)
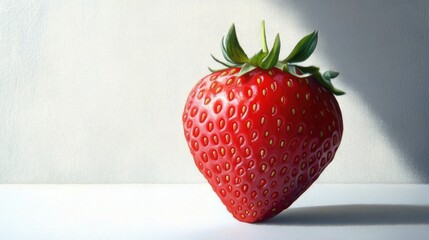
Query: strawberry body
point(262, 131)
point(261, 139)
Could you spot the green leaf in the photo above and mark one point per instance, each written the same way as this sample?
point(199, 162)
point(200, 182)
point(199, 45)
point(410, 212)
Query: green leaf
point(299, 71)
point(247, 67)
point(303, 49)
point(330, 74)
point(307, 70)
point(216, 70)
point(257, 58)
point(324, 79)
point(224, 53)
point(280, 65)
point(233, 48)
point(273, 56)
point(225, 64)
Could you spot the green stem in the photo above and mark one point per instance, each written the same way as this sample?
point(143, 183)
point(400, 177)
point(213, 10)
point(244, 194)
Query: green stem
point(263, 38)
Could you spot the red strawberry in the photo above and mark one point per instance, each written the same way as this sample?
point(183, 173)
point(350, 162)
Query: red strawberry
point(262, 131)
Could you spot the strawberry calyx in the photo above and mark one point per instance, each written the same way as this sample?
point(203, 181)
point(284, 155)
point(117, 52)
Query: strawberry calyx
point(266, 59)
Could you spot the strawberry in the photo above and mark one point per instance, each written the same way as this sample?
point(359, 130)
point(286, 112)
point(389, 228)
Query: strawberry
point(261, 131)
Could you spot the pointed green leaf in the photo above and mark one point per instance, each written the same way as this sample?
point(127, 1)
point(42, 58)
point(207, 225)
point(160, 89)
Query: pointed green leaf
point(273, 56)
point(325, 80)
point(216, 70)
point(257, 58)
point(233, 48)
point(224, 53)
point(247, 67)
point(212, 70)
point(330, 74)
point(279, 65)
point(225, 64)
point(303, 49)
point(307, 70)
point(299, 71)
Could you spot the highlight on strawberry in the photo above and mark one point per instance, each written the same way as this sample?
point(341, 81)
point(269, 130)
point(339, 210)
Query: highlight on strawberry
point(262, 130)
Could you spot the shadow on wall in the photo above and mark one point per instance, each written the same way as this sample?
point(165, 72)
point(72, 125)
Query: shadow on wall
point(381, 49)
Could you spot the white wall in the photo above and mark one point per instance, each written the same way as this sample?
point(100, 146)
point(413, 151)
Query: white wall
point(92, 91)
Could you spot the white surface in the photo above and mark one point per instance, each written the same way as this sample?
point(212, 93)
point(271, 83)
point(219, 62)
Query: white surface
point(93, 91)
point(194, 212)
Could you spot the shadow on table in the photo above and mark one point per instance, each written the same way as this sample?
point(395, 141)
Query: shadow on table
point(372, 214)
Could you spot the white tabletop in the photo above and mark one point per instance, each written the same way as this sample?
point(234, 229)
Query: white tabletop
point(192, 211)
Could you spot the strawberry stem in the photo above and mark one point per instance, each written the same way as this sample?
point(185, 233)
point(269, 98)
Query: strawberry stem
point(264, 38)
